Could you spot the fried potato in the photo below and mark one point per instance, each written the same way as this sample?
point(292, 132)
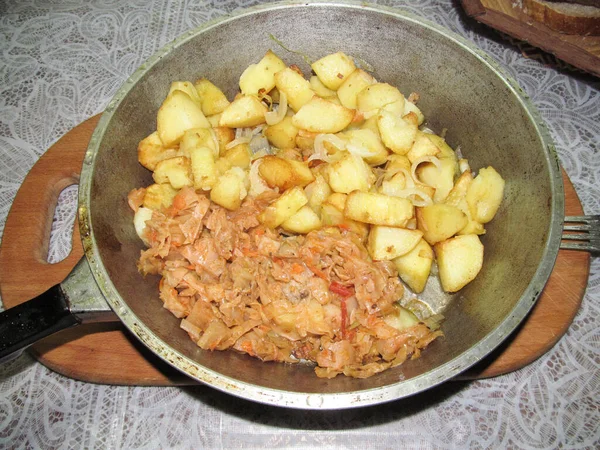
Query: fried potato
point(414, 267)
point(177, 114)
point(198, 137)
point(485, 194)
point(322, 116)
point(348, 174)
point(441, 180)
point(378, 209)
point(387, 243)
point(332, 216)
point(151, 151)
point(284, 173)
point(283, 134)
point(333, 69)
point(459, 261)
point(439, 222)
point(284, 207)
point(224, 136)
point(368, 145)
point(304, 221)
point(245, 111)
point(396, 133)
point(423, 146)
point(230, 189)
point(159, 196)
point(376, 96)
point(319, 88)
point(295, 87)
point(188, 88)
point(212, 99)
point(260, 77)
point(238, 156)
point(203, 167)
point(317, 192)
point(175, 171)
point(411, 107)
point(355, 83)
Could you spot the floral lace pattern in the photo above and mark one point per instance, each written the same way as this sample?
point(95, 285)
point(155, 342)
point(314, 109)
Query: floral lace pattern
point(47, 89)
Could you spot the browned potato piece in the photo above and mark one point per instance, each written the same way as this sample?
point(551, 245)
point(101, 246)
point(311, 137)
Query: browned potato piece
point(284, 207)
point(224, 136)
point(484, 195)
point(332, 216)
point(304, 221)
point(260, 77)
point(322, 116)
point(212, 99)
point(319, 88)
point(397, 133)
point(414, 267)
point(177, 114)
point(356, 82)
point(159, 196)
point(376, 96)
point(348, 174)
point(378, 209)
point(459, 261)
point(282, 135)
point(333, 69)
point(176, 171)
point(284, 173)
point(439, 221)
point(245, 111)
point(151, 151)
point(230, 189)
point(387, 243)
point(238, 156)
point(295, 87)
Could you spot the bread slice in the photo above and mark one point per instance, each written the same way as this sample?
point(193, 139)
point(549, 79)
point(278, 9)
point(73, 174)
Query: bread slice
point(568, 18)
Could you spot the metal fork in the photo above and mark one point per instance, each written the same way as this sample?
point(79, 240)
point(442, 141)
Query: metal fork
point(584, 230)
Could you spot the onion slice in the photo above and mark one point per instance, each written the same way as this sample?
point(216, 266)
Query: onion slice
point(321, 151)
point(431, 159)
point(274, 117)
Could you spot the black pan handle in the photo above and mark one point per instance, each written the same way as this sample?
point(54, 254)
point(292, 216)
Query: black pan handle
point(75, 301)
point(33, 320)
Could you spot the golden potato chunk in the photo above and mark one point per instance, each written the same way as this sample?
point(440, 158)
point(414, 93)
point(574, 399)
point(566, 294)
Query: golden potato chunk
point(378, 209)
point(319, 88)
point(396, 133)
point(304, 221)
point(459, 261)
point(284, 207)
point(295, 87)
point(230, 189)
point(414, 267)
point(159, 196)
point(485, 194)
point(317, 192)
point(348, 174)
point(260, 77)
point(151, 151)
point(212, 99)
point(245, 111)
point(439, 222)
point(175, 171)
point(204, 170)
point(283, 134)
point(284, 173)
point(177, 114)
point(387, 243)
point(198, 137)
point(333, 69)
point(355, 83)
point(423, 146)
point(367, 145)
point(376, 96)
point(322, 116)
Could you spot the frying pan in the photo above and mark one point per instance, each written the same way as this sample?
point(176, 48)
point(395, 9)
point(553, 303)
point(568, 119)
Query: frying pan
point(462, 91)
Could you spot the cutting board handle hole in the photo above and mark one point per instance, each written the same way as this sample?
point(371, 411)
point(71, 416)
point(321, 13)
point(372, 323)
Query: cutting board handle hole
point(61, 232)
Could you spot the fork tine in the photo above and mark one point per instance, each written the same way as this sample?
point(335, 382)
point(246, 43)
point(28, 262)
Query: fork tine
point(588, 228)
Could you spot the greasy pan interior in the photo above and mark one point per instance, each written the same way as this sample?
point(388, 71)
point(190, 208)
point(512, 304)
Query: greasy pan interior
point(460, 90)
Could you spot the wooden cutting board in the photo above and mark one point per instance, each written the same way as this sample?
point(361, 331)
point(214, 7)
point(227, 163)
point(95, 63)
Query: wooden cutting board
point(506, 16)
point(107, 353)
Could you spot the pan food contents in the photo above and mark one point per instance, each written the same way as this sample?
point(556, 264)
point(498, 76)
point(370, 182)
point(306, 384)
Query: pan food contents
point(287, 222)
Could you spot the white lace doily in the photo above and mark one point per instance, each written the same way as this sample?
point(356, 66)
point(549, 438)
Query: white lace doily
point(48, 88)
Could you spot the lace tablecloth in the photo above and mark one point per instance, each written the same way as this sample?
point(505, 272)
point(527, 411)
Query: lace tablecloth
point(60, 63)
